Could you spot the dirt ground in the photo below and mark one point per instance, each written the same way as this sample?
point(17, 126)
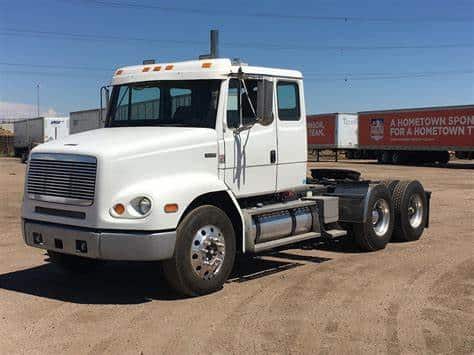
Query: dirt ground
point(312, 298)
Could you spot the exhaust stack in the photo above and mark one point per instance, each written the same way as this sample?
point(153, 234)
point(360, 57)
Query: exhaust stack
point(214, 46)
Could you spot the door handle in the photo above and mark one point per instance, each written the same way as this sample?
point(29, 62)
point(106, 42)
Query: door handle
point(273, 156)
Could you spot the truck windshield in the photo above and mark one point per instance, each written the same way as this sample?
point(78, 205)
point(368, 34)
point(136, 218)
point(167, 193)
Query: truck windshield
point(188, 103)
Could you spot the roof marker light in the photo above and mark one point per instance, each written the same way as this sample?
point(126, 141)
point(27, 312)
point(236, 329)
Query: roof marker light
point(169, 67)
point(157, 68)
point(206, 65)
point(146, 69)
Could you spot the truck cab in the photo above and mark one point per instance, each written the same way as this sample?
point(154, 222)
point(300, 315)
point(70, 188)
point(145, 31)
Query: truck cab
point(199, 161)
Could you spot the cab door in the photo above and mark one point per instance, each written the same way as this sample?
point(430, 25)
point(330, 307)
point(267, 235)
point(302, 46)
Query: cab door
point(292, 136)
point(251, 154)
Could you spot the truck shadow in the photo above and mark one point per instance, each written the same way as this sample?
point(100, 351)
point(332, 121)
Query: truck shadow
point(131, 283)
point(253, 267)
point(343, 245)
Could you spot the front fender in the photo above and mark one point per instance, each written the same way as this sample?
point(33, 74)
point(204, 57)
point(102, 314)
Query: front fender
point(181, 189)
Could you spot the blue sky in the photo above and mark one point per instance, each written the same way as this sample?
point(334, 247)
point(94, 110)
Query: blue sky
point(43, 33)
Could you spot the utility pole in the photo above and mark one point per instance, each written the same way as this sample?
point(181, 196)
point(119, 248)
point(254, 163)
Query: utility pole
point(38, 99)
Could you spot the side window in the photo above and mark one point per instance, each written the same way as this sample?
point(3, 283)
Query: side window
point(237, 100)
point(288, 101)
point(233, 115)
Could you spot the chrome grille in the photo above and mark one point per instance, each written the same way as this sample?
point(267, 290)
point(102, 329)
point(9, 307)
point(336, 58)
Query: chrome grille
point(62, 178)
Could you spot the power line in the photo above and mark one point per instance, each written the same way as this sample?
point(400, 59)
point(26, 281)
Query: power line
point(385, 74)
point(393, 77)
point(266, 14)
point(321, 78)
point(55, 66)
point(49, 74)
point(261, 46)
point(307, 74)
point(92, 37)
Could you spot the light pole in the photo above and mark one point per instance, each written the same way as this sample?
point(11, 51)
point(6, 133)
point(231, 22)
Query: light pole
point(38, 99)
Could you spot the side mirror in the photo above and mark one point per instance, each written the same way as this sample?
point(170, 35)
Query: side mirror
point(104, 93)
point(265, 102)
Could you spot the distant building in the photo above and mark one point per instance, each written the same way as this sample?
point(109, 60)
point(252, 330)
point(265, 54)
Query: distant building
point(85, 120)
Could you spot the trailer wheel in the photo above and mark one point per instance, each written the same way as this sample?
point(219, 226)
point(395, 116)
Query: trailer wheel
point(386, 157)
point(73, 263)
point(443, 158)
point(398, 158)
point(411, 210)
point(376, 231)
point(204, 252)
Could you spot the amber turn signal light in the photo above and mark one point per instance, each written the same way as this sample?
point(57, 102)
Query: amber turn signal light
point(119, 208)
point(171, 208)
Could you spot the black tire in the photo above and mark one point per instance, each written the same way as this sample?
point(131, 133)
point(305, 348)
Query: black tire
point(364, 233)
point(403, 192)
point(179, 270)
point(386, 157)
point(390, 184)
point(398, 158)
point(443, 158)
point(73, 263)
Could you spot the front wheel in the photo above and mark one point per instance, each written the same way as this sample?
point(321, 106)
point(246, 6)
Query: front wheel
point(204, 252)
point(376, 231)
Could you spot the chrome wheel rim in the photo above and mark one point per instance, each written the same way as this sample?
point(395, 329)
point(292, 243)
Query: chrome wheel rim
point(207, 252)
point(415, 211)
point(380, 217)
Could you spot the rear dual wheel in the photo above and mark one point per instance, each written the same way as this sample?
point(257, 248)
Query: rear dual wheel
point(376, 231)
point(411, 210)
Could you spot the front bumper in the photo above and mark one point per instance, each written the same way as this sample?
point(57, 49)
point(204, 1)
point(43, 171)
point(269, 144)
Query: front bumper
point(106, 245)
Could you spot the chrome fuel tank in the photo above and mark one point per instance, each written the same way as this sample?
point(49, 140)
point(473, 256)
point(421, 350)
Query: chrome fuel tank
point(281, 224)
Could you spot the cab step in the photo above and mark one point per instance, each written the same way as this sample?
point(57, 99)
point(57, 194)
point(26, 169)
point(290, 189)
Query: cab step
point(284, 241)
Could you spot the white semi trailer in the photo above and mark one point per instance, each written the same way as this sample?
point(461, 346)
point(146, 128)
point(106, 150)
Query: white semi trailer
point(33, 131)
point(200, 161)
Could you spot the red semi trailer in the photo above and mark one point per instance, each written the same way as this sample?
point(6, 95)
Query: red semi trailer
point(398, 136)
point(416, 135)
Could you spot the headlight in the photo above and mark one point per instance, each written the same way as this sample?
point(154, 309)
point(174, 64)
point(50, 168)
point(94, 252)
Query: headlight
point(144, 205)
point(138, 207)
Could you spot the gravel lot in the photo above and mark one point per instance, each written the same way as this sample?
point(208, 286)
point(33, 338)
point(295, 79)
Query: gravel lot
point(325, 298)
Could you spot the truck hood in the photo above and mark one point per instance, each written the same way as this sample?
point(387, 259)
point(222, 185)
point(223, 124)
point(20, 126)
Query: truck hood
point(126, 142)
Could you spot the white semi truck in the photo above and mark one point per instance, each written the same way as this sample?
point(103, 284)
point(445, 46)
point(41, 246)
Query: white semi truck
point(200, 161)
